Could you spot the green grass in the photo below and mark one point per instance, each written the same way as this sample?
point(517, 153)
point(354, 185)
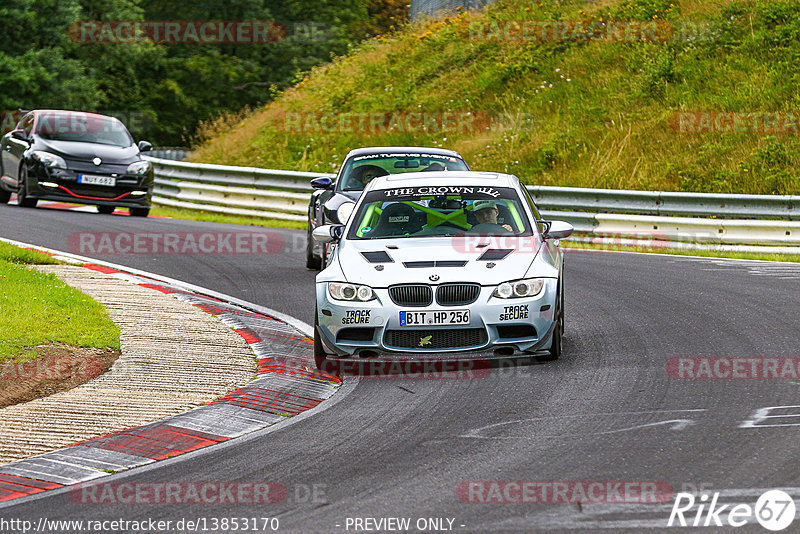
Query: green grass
point(574, 245)
point(584, 114)
point(199, 215)
point(39, 308)
point(12, 254)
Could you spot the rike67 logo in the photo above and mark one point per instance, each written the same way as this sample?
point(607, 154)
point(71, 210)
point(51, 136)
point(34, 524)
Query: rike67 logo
point(774, 510)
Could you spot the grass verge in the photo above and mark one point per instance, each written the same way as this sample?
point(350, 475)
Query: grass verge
point(199, 215)
point(12, 254)
point(574, 245)
point(40, 309)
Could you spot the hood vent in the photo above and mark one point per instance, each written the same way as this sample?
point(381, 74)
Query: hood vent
point(430, 264)
point(495, 254)
point(378, 256)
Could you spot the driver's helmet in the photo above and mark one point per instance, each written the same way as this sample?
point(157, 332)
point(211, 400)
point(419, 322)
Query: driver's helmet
point(435, 166)
point(366, 173)
point(479, 205)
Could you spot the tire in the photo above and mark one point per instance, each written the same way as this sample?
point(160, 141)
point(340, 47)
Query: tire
point(106, 210)
point(139, 212)
point(561, 307)
point(323, 263)
point(22, 190)
point(5, 196)
point(320, 357)
point(312, 262)
point(556, 347)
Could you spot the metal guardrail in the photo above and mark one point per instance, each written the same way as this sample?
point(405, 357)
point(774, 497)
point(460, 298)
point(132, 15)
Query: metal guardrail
point(686, 229)
point(667, 203)
point(233, 190)
point(443, 7)
point(165, 152)
point(667, 216)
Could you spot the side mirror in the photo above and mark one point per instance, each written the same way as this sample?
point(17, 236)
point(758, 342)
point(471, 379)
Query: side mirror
point(327, 233)
point(558, 230)
point(21, 135)
point(322, 183)
point(144, 146)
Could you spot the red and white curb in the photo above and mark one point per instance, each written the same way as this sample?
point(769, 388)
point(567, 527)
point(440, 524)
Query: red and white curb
point(82, 208)
point(288, 384)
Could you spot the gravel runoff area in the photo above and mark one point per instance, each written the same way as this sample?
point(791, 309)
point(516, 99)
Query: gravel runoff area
point(174, 357)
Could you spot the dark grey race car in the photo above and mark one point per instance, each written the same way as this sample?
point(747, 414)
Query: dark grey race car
point(359, 168)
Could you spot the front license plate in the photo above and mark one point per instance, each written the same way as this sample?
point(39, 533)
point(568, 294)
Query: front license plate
point(96, 180)
point(434, 318)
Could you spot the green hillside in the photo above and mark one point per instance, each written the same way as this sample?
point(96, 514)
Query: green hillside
point(620, 108)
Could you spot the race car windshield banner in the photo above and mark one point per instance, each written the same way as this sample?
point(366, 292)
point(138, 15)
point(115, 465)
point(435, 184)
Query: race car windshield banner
point(473, 192)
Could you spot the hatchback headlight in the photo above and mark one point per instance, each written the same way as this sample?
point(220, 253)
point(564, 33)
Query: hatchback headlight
point(140, 168)
point(49, 160)
point(351, 292)
point(529, 287)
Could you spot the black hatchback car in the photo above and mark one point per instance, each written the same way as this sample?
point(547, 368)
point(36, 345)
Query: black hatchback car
point(71, 156)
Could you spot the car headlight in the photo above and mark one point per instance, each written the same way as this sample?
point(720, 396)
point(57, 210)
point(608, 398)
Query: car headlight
point(351, 292)
point(49, 160)
point(529, 287)
point(140, 168)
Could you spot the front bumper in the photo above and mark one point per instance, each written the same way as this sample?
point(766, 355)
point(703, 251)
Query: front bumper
point(497, 327)
point(128, 192)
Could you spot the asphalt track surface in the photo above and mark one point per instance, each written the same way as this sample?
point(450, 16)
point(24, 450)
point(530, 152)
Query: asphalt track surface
point(400, 447)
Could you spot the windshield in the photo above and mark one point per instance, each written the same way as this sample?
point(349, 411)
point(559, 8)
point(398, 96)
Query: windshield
point(358, 171)
point(440, 211)
point(83, 128)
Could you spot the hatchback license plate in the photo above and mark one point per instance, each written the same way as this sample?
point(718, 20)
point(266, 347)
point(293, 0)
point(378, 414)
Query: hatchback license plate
point(96, 180)
point(434, 318)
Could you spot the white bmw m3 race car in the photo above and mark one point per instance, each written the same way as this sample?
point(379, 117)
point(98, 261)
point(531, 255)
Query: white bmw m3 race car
point(443, 265)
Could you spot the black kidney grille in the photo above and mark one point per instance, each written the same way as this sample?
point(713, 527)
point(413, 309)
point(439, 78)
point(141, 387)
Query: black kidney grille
point(457, 294)
point(451, 338)
point(411, 295)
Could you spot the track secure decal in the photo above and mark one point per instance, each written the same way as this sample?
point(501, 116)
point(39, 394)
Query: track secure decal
point(512, 313)
point(356, 317)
